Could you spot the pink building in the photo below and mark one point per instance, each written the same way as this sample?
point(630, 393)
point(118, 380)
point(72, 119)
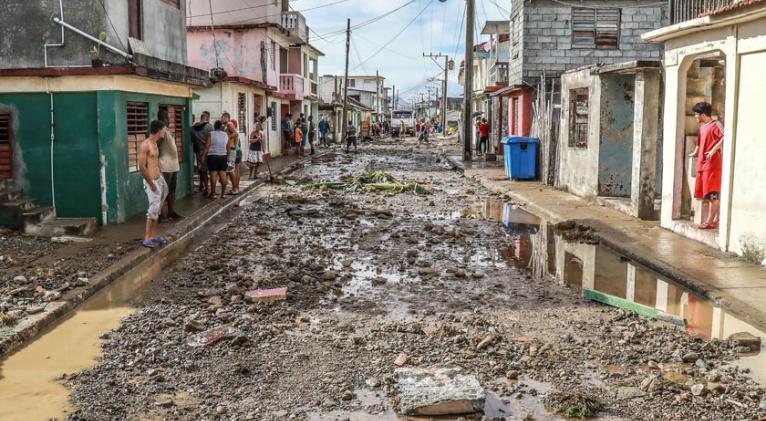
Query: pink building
point(258, 55)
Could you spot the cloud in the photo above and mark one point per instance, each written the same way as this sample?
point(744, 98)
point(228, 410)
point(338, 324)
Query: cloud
point(401, 62)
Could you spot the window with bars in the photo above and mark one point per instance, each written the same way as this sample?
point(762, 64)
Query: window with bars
point(595, 28)
point(578, 118)
point(138, 126)
point(242, 112)
point(6, 147)
point(273, 116)
point(176, 127)
point(514, 38)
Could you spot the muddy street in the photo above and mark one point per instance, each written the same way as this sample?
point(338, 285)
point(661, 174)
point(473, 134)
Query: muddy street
point(417, 271)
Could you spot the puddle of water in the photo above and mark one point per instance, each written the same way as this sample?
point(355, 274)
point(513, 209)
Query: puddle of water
point(28, 389)
point(595, 267)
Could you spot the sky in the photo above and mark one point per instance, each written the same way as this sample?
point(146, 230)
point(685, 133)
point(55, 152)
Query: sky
point(435, 27)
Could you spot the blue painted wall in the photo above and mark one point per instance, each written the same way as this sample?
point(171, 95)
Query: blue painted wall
point(615, 160)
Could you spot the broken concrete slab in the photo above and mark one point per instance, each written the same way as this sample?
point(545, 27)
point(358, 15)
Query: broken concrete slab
point(439, 391)
point(747, 340)
point(212, 336)
point(265, 295)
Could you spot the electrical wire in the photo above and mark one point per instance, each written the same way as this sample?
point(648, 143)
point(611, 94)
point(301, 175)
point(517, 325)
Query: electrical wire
point(371, 20)
point(263, 5)
point(358, 57)
point(397, 34)
point(500, 8)
point(119, 39)
point(459, 32)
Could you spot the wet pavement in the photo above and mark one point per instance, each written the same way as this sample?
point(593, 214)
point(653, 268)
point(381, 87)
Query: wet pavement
point(376, 281)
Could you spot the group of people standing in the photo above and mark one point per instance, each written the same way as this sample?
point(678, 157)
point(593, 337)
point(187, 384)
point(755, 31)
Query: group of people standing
point(301, 132)
point(219, 154)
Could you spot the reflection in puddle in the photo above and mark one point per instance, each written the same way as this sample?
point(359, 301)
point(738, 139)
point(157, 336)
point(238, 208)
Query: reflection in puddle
point(583, 266)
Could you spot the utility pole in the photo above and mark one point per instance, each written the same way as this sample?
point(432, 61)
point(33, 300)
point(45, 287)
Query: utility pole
point(444, 87)
point(377, 95)
point(343, 123)
point(468, 87)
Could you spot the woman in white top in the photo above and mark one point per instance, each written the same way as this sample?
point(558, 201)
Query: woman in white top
point(216, 153)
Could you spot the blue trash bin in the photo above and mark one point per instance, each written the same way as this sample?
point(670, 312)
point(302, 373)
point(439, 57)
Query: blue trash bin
point(520, 157)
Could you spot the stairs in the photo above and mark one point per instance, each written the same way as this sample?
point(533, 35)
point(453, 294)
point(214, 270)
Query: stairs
point(25, 214)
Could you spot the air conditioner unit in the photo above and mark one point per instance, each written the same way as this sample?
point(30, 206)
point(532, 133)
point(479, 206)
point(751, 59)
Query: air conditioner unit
point(217, 74)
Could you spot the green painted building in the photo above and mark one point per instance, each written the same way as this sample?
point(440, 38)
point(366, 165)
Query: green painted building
point(72, 138)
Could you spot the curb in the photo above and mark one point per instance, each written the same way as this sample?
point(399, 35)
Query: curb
point(180, 236)
point(621, 243)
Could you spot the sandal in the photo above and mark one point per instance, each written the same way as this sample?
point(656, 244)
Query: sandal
point(705, 226)
point(160, 240)
point(148, 244)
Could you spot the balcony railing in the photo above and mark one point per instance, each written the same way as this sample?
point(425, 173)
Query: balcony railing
point(498, 74)
point(295, 23)
point(292, 85)
point(683, 10)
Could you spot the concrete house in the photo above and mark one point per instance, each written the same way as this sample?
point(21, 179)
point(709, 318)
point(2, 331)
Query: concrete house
point(72, 113)
point(331, 106)
point(610, 135)
point(260, 59)
point(716, 54)
point(550, 37)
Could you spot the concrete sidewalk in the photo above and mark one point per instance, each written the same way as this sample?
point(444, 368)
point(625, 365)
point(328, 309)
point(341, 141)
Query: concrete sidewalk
point(731, 283)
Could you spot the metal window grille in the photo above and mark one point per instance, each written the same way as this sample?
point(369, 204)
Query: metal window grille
point(6, 147)
point(138, 125)
point(578, 118)
point(242, 112)
point(176, 127)
point(595, 28)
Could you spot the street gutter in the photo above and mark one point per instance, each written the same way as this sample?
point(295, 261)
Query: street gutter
point(623, 244)
point(179, 236)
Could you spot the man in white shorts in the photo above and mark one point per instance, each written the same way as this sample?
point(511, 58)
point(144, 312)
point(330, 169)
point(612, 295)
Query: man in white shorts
point(154, 184)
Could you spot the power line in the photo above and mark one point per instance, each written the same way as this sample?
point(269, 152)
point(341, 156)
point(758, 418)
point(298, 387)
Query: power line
point(397, 34)
point(459, 32)
point(371, 20)
point(263, 5)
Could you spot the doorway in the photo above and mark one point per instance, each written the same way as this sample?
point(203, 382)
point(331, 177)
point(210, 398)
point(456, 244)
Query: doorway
point(705, 81)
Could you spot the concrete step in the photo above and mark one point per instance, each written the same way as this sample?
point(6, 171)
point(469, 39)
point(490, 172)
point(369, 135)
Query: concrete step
point(9, 194)
point(54, 227)
point(36, 215)
point(21, 204)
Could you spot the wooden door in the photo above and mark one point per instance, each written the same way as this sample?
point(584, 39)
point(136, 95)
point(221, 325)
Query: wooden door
point(6, 147)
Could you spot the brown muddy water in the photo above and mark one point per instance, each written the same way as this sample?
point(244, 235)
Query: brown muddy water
point(29, 378)
point(29, 389)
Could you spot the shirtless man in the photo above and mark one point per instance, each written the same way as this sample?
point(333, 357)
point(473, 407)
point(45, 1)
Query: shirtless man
point(154, 184)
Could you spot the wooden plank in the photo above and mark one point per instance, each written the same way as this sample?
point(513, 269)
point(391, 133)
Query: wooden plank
point(640, 309)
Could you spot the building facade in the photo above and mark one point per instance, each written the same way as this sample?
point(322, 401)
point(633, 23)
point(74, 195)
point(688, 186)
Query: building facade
point(73, 112)
point(716, 55)
point(260, 59)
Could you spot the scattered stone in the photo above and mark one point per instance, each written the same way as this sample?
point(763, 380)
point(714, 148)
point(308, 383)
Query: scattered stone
point(690, 357)
point(512, 375)
point(34, 309)
point(401, 360)
point(485, 342)
point(20, 279)
point(438, 391)
point(49, 296)
point(698, 389)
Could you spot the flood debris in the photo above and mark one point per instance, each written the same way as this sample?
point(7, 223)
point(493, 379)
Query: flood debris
point(213, 335)
point(266, 295)
point(439, 391)
point(373, 181)
point(575, 404)
point(746, 341)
